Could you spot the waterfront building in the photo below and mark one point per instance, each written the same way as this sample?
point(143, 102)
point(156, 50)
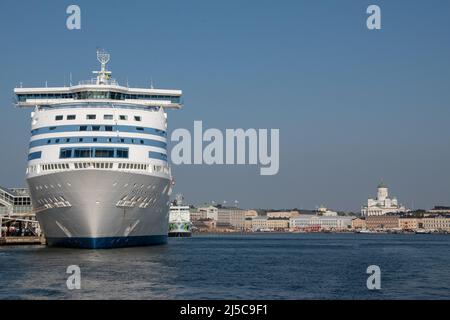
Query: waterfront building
point(321, 222)
point(440, 210)
point(410, 223)
point(15, 202)
point(283, 214)
point(322, 210)
point(439, 223)
point(359, 223)
point(209, 212)
point(383, 204)
point(259, 223)
point(231, 217)
point(17, 217)
point(382, 222)
point(204, 224)
point(197, 215)
point(248, 223)
point(251, 214)
point(277, 224)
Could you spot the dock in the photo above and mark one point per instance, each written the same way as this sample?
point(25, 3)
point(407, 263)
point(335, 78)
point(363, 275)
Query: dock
point(14, 241)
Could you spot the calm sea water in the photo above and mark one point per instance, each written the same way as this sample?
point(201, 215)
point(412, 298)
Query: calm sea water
point(260, 266)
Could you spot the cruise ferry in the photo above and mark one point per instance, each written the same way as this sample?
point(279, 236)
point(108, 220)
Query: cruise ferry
point(179, 219)
point(97, 170)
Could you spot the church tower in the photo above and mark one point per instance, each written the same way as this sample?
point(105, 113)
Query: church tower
point(382, 192)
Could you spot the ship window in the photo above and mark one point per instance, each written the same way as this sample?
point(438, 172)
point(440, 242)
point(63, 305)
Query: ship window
point(34, 155)
point(122, 153)
point(122, 140)
point(137, 118)
point(123, 117)
point(108, 128)
point(65, 153)
point(94, 139)
point(59, 118)
point(107, 117)
point(142, 141)
point(139, 129)
point(90, 117)
point(82, 153)
point(80, 139)
point(52, 128)
point(95, 128)
point(109, 139)
point(83, 128)
point(49, 141)
point(71, 117)
point(104, 153)
point(67, 139)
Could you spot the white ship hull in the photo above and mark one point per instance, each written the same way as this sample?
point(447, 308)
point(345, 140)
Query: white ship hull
point(86, 211)
point(180, 229)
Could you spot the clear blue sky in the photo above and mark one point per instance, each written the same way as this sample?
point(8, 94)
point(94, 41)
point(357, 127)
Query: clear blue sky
point(353, 106)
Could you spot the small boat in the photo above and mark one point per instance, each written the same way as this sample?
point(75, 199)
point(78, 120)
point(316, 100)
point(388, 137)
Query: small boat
point(422, 231)
point(366, 231)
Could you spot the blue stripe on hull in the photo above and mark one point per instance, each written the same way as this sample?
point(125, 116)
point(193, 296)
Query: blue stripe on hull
point(106, 242)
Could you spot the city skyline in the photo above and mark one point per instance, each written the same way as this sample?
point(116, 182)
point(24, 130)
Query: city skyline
point(354, 107)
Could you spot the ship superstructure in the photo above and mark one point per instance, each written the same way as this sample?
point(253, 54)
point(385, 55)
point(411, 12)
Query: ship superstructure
point(97, 170)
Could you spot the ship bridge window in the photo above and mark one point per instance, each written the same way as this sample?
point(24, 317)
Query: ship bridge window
point(108, 117)
point(71, 117)
point(59, 118)
point(91, 117)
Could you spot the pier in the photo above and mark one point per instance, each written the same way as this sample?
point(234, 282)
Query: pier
point(14, 241)
point(20, 229)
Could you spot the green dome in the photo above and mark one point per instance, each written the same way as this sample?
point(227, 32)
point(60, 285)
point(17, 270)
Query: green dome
point(382, 185)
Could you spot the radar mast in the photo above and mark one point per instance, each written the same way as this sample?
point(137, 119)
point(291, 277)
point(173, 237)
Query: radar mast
point(103, 75)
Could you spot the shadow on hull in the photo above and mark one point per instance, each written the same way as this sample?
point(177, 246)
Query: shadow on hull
point(107, 242)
